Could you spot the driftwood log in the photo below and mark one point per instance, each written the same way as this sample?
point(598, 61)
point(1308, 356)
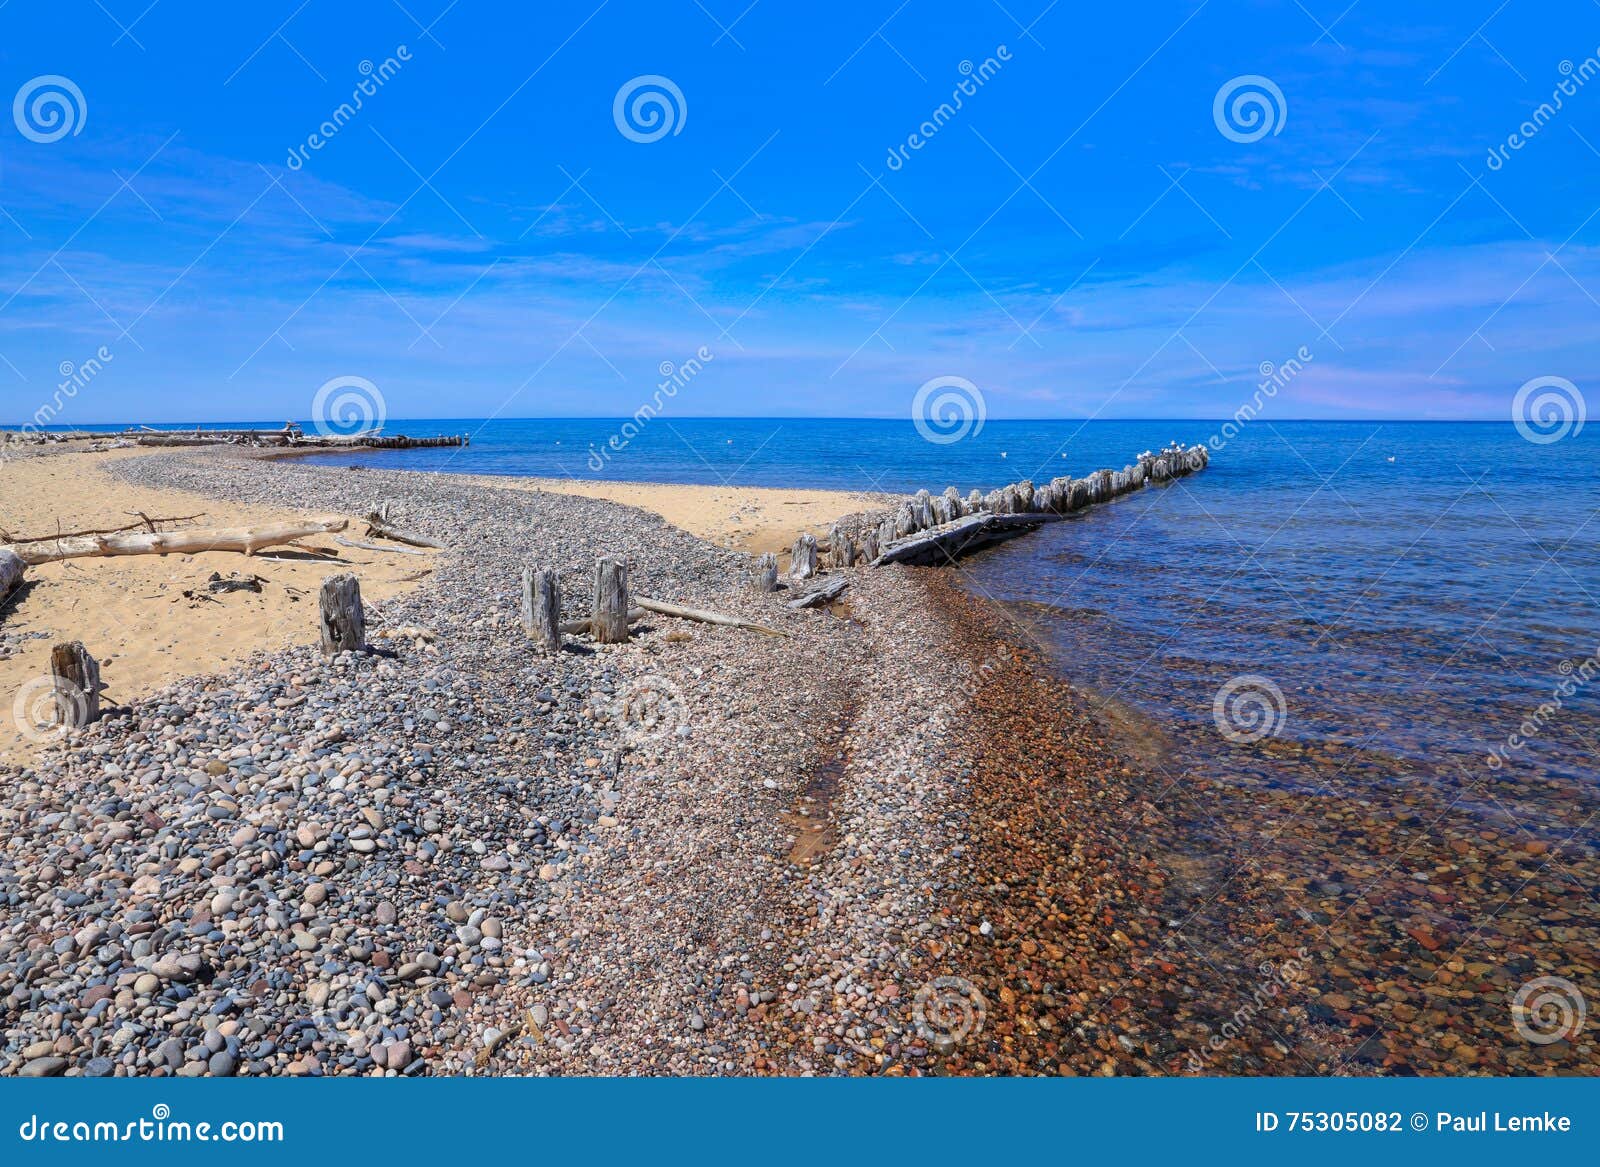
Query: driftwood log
point(826, 594)
point(248, 540)
point(703, 616)
point(608, 618)
point(75, 680)
point(378, 524)
point(541, 607)
point(12, 569)
point(344, 621)
point(363, 545)
point(580, 627)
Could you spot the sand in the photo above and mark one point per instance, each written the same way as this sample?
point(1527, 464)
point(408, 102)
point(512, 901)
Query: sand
point(133, 614)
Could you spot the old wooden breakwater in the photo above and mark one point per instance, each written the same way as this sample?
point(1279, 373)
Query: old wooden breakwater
point(939, 528)
point(290, 436)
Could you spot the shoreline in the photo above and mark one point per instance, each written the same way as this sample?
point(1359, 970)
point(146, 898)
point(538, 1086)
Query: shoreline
point(461, 858)
point(682, 853)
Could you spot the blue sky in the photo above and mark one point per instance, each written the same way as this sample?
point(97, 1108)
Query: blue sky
point(1079, 239)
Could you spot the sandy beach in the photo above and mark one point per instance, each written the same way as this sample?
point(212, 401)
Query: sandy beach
point(153, 620)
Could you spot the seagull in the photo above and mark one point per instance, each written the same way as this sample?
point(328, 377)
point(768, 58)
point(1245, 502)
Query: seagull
point(1002, 453)
point(1390, 458)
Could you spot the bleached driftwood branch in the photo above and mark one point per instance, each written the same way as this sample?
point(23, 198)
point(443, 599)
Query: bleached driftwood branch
point(247, 540)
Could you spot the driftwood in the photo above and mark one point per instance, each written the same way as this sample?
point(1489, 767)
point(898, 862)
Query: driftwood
point(12, 569)
point(344, 622)
point(248, 540)
point(363, 545)
point(703, 616)
point(541, 607)
point(580, 627)
point(608, 617)
point(826, 594)
point(75, 679)
point(145, 522)
point(378, 524)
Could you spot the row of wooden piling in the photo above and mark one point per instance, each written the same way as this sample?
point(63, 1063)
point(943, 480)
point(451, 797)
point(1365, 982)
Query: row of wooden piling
point(929, 527)
point(290, 436)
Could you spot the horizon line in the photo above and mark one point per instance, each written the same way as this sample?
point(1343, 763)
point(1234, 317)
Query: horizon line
point(262, 423)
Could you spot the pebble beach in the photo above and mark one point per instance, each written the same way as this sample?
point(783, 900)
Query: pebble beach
point(891, 842)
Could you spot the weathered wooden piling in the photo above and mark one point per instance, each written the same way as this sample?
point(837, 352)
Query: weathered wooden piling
point(12, 569)
point(764, 577)
point(608, 620)
point(803, 559)
point(75, 681)
point(541, 607)
point(928, 528)
point(344, 621)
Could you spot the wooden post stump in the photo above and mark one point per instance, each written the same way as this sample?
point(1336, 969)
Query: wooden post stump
point(541, 607)
point(608, 622)
point(803, 559)
point(765, 576)
point(12, 568)
point(344, 621)
point(75, 677)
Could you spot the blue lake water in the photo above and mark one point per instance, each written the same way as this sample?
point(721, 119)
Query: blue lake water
point(1414, 591)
